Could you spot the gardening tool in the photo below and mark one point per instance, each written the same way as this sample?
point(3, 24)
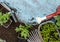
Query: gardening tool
point(34, 36)
point(39, 20)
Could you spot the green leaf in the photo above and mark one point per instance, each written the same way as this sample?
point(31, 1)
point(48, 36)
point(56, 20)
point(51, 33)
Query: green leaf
point(4, 18)
point(28, 26)
point(57, 17)
point(48, 30)
point(17, 29)
point(58, 23)
point(25, 33)
point(23, 30)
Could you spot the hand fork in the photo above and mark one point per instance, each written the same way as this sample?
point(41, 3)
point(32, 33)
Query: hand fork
point(34, 36)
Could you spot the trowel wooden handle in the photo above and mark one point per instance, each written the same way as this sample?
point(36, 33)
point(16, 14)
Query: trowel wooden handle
point(54, 14)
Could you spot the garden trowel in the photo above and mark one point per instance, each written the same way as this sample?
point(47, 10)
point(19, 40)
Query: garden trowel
point(57, 12)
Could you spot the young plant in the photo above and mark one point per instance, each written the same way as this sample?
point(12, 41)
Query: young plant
point(57, 18)
point(49, 33)
point(23, 30)
point(4, 17)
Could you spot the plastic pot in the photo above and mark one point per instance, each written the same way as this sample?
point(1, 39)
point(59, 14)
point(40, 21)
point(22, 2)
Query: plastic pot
point(39, 32)
point(20, 39)
point(7, 24)
point(58, 30)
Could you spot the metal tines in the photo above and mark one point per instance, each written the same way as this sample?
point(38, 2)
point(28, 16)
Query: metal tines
point(34, 36)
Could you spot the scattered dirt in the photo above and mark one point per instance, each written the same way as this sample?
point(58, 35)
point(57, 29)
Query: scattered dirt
point(9, 34)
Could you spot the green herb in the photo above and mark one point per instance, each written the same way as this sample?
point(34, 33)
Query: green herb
point(57, 18)
point(49, 33)
point(23, 30)
point(4, 17)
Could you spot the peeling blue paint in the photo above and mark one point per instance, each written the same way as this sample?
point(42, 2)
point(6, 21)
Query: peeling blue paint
point(28, 9)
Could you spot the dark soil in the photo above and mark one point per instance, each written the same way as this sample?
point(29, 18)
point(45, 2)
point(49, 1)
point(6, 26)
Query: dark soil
point(9, 34)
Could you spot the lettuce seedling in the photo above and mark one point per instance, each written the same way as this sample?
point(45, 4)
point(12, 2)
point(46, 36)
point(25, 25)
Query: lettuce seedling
point(23, 30)
point(49, 33)
point(57, 18)
point(4, 17)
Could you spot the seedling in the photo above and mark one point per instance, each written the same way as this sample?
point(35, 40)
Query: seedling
point(4, 17)
point(57, 18)
point(23, 31)
point(49, 33)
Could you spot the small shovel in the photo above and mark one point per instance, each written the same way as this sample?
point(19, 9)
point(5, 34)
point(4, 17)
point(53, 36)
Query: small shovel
point(39, 20)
